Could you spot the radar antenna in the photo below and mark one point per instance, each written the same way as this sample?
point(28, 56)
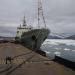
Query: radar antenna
point(40, 14)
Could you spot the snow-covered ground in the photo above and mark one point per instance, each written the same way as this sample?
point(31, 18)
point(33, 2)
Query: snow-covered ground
point(64, 48)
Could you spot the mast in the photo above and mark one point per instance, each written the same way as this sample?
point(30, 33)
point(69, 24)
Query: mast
point(40, 14)
point(24, 22)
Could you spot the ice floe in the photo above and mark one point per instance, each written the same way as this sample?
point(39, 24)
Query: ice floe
point(57, 53)
point(67, 49)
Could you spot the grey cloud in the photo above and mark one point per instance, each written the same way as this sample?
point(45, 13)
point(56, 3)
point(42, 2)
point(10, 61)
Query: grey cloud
point(59, 14)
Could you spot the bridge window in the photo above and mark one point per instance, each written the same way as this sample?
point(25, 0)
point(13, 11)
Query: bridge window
point(17, 31)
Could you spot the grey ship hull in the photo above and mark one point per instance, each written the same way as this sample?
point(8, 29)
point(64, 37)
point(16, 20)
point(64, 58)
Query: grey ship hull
point(34, 38)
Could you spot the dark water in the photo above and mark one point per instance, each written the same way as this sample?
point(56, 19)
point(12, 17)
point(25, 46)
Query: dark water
point(62, 48)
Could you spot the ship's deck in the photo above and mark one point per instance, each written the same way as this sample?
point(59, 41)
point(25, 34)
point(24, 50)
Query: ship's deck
point(27, 62)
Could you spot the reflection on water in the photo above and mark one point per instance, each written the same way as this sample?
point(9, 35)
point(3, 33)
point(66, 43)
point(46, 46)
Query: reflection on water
point(63, 48)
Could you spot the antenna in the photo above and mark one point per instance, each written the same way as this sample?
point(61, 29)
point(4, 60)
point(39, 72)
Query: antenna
point(40, 14)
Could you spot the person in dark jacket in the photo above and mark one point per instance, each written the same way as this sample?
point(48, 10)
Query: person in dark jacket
point(8, 59)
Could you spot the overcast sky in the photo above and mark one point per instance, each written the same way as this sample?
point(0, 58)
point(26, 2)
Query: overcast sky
point(59, 15)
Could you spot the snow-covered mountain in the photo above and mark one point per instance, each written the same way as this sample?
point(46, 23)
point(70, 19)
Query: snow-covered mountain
point(71, 37)
point(54, 37)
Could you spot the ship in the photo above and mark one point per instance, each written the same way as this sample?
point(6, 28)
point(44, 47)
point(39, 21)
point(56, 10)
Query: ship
point(31, 37)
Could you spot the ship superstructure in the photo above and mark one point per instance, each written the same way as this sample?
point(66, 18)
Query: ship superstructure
point(22, 29)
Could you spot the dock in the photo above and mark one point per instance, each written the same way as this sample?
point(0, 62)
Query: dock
point(28, 62)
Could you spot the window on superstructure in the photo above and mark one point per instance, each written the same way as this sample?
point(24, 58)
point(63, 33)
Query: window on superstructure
point(29, 28)
point(17, 31)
